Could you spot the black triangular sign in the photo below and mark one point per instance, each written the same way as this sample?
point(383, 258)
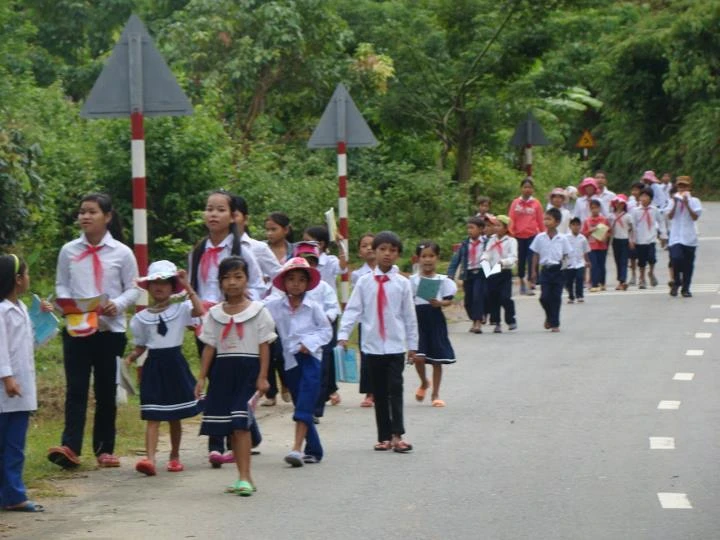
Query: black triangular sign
point(335, 127)
point(528, 132)
point(110, 95)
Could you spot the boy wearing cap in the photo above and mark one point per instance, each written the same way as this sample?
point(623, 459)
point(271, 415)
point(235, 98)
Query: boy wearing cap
point(682, 212)
point(501, 249)
point(303, 329)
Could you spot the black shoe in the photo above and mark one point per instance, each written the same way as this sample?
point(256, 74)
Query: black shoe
point(686, 294)
point(673, 290)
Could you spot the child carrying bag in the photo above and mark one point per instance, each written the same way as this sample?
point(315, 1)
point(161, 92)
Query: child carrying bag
point(345, 365)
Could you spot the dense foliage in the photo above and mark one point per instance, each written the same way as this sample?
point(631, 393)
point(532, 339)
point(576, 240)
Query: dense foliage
point(442, 84)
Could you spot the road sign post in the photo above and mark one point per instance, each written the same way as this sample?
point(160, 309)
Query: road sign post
point(342, 126)
point(528, 133)
point(136, 82)
point(585, 142)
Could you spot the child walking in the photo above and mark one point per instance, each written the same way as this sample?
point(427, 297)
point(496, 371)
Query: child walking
point(550, 249)
point(18, 394)
point(558, 199)
point(647, 223)
point(467, 258)
point(167, 386)
point(97, 263)
point(597, 230)
point(330, 266)
point(683, 211)
point(237, 334)
point(434, 345)
point(526, 217)
point(577, 262)
point(383, 302)
point(367, 254)
point(501, 250)
point(621, 230)
point(303, 328)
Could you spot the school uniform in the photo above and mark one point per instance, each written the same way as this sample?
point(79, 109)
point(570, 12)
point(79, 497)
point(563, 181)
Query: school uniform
point(606, 196)
point(383, 304)
point(17, 361)
point(236, 366)
point(167, 386)
point(467, 258)
point(329, 268)
point(551, 254)
point(647, 224)
point(85, 271)
point(433, 343)
point(683, 239)
point(501, 251)
point(598, 249)
point(622, 234)
point(364, 387)
point(575, 271)
point(266, 260)
point(660, 195)
point(306, 326)
point(527, 220)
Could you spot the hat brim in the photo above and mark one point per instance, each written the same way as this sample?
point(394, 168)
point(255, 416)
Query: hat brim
point(279, 280)
point(145, 281)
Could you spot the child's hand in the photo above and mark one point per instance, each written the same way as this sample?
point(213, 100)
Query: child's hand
point(303, 349)
point(631, 245)
point(199, 387)
point(110, 309)
point(45, 306)
point(435, 302)
point(129, 359)
point(12, 387)
point(262, 385)
point(182, 277)
point(459, 282)
point(411, 357)
point(342, 343)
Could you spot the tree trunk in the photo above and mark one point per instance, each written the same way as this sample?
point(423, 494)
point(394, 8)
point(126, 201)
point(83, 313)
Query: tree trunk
point(465, 138)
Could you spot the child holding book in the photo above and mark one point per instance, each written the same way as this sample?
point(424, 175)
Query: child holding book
point(597, 230)
point(467, 258)
point(501, 252)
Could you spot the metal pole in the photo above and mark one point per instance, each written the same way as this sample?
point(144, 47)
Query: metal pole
point(341, 135)
point(528, 159)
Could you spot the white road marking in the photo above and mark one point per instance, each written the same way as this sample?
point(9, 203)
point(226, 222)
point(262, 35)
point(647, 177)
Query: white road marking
point(668, 405)
point(694, 352)
point(715, 306)
point(684, 377)
point(662, 443)
point(674, 500)
point(703, 335)
point(711, 320)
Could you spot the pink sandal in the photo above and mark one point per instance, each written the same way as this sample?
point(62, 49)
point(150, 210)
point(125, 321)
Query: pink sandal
point(146, 467)
point(106, 460)
point(174, 465)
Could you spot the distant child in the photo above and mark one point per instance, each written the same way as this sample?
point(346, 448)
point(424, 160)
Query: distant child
point(278, 233)
point(526, 218)
point(237, 334)
point(557, 199)
point(597, 230)
point(634, 198)
point(434, 344)
point(577, 262)
point(467, 258)
point(18, 393)
point(367, 254)
point(683, 211)
point(330, 266)
point(588, 190)
point(303, 328)
point(621, 230)
point(647, 223)
point(632, 203)
point(550, 250)
point(483, 206)
point(266, 260)
point(501, 249)
point(167, 386)
point(660, 192)
point(383, 302)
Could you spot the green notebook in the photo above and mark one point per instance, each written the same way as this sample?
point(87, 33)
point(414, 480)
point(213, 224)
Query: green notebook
point(428, 288)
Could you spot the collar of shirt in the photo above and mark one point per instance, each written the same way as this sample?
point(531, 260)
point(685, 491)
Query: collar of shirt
point(107, 240)
point(393, 270)
point(226, 243)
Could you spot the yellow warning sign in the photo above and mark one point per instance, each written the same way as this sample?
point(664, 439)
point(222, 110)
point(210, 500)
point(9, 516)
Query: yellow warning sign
point(586, 140)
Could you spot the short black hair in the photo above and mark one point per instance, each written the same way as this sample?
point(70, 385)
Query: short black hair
point(554, 213)
point(638, 185)
point(575, 221)
point(476, 220)
point(8, 263)
point(646, 191)
point(319, 233)
point(595, 202)
point(231, 263)
point(364, 236)
point(240, 204)
point(483, 199)
point(387, 237)
point(427, 244)
point(527, 180)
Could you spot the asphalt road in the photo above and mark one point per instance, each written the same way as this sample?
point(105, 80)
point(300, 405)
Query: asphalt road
point(545, 436)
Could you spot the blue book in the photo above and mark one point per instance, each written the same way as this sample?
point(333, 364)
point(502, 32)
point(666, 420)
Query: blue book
point(45, 324)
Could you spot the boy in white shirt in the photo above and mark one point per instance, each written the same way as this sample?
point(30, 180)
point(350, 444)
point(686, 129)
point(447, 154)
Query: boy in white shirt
point(382, 301)
point(682, 212)
point(501, 249)
point(647, 223)
point(577, 262)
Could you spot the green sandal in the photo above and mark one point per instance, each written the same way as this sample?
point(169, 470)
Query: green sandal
point(242, 488)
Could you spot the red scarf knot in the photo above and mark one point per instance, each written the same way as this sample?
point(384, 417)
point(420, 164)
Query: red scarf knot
point(92, 251)
point(208, 259)
point(473, 251)
point(228, 327)
point(381, 302)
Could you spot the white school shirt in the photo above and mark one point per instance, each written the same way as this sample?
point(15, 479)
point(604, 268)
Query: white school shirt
point(329, 268)
point(506, 254)
point(481, 241)
point(447, 288)
point(550, 250)
point(622, 228)
point(564, 226)
point(606, 198)
point(327, 297)
point(660, 196)
point(209, 290)
point(401, 330)
point(177, 318)
point(579, 246)
point(17, 357)
point(257, 327)
point(307, 325)
point(644, 233)
point(76, 279)
point(268, 263)
point(631, 203)
point(357, 274)
point(683, 228)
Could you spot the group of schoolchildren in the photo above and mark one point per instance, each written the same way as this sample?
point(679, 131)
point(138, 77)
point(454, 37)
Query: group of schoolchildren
point(563, 245)
point(261, 312)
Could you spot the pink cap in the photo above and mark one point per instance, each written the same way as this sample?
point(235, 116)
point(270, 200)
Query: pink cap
point(589, 181)
point(306, 248)
point(619, 198)
point(650, 175)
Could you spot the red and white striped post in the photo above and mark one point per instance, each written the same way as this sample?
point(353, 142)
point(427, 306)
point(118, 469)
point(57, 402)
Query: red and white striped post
point(528, 159)
point(343, 215)
point(139, 193)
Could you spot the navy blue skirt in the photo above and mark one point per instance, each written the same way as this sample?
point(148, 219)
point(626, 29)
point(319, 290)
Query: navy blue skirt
point(167, 387)
point(232, 381)
point(434, 342)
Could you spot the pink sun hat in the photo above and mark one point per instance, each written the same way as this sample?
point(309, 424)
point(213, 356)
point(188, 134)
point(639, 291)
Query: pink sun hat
point(619, 198)
point(297, 263)
point(589, 181)
point(558, 191)
point(650, 175)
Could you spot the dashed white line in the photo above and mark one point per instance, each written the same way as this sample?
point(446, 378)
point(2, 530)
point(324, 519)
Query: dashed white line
point(683, 376)
point(715, 306)
point(694, 352)
point(662, 443)
point(674, 500)
point(668, 405)
point(703, 335)
point(711, 320)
